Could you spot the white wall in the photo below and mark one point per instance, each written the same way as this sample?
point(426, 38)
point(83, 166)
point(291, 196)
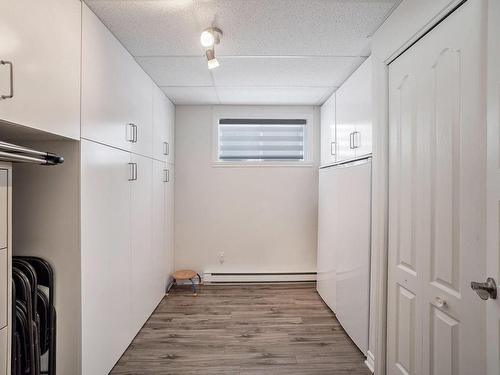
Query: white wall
point(264, 219)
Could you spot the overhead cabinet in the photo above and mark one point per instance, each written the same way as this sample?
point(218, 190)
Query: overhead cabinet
point(117, 95)
point(40, 65)
point(163, 126)
point(346, 119)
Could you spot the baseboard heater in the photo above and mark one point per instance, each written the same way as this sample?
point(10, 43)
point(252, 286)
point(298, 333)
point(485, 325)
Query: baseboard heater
point(276, 277)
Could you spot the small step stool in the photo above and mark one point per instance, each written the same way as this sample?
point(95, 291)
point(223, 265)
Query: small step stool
point(184, 275)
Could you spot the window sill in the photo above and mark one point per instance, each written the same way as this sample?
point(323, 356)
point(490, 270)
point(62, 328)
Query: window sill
point(272, 164)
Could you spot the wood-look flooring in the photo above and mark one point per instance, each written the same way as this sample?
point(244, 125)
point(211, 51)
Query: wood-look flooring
point(245, 330)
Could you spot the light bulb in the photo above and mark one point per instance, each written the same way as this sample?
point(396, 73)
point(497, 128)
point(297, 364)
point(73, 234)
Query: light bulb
point(207, 38)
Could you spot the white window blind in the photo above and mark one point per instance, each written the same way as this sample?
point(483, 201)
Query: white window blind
point(261, 139)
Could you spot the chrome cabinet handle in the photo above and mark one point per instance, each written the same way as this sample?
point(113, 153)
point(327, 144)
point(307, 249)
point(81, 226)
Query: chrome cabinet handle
point(135, 133)
point(133, 171)
point(332, 148)
point(358, 136)
point(166, 148)
point(166, 177)
point(130, 132)
point(11, 78)
point(485, 290)
point(351, 141)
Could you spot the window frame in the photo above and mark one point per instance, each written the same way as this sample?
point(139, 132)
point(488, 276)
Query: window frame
point(264, 113)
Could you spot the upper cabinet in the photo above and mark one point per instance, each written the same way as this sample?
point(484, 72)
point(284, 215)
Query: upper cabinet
point(163, 126)
point(40, 68)
point(117, 95)
point(352, 113)
point(328, 132)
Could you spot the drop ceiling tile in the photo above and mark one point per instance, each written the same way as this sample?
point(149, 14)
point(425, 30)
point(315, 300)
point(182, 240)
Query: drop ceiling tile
point(273, 95)
point(282, 72)
point(257, 27)
point(177, 71)
point(191, 95)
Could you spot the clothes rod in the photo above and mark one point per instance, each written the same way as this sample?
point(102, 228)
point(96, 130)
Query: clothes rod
point(19, 154)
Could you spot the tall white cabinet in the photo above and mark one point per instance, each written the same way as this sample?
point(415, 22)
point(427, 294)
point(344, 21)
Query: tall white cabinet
point(346, 119)
point(127, 159)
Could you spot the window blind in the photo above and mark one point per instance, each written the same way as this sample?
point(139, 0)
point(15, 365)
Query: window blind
point(261, 139)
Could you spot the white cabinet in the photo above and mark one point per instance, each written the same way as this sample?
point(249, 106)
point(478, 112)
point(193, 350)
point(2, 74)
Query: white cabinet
point(117, 96)
point(327, 234)
point(346, 118)
point(169, 217)
point(106, 256)
point(159, 261)
point(163, 126)
point(41, 39)
point(4, 282)
point(143, 293)
point(328, 132)
point(353, 111)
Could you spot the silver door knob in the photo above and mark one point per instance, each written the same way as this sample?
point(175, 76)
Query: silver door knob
point(485, 290)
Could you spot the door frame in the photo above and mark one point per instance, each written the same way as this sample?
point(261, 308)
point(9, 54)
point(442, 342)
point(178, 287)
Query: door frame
point(411, 20)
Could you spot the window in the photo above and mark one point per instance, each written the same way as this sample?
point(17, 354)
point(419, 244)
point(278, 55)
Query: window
point(261, 139)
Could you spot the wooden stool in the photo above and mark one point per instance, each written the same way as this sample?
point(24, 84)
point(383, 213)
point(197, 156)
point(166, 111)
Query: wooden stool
point(184, 275)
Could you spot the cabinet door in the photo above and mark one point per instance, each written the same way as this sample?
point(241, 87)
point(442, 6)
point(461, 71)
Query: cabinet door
point(116, 94)
point(346, 119)
point(328, 136)
point(45, 63)
point(169, 217)
point(106, 258)
point(362, 85)
point(171, 131)
point(143, 295)
point(161, 147)
point(159, 259)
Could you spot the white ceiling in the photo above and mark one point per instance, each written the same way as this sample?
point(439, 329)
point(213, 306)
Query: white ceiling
point(272, 51)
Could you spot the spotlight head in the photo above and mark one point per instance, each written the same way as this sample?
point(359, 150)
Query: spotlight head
point(210, 36)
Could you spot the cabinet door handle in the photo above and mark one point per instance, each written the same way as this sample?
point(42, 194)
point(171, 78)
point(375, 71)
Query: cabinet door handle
point(332, 148)
point(166, 177)
point(356, 139)
point(135, 133)
point(11, 79)
point(166, 148)
point(130, 132)
point(351, 142)
point(133, 171)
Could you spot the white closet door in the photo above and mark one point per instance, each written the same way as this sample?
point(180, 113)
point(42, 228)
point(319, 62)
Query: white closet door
point(42, 41)
point(159, 259)
point(143, 295)
point(171, 131)
point(436, 323)
point(493, 199)
point(106, 258)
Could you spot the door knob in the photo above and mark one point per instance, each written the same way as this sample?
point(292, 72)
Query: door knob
point(485, 290)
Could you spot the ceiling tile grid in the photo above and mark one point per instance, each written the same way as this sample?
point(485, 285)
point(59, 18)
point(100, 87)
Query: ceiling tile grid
point(271, 52)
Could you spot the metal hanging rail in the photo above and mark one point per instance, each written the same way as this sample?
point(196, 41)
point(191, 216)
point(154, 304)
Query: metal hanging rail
point(19, 154)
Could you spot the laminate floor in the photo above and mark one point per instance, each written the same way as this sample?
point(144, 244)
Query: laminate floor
point(251, 329)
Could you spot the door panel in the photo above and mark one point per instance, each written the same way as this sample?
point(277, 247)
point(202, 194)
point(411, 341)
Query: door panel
point(437, 193)
point(144, 297)
point(115, 91)
point(106, 258)
point(46, 64)
point(159, 260)
point(406, 315)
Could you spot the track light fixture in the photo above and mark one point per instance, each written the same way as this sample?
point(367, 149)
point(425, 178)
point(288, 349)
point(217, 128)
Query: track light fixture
point(209, 38)
point(211, 59)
